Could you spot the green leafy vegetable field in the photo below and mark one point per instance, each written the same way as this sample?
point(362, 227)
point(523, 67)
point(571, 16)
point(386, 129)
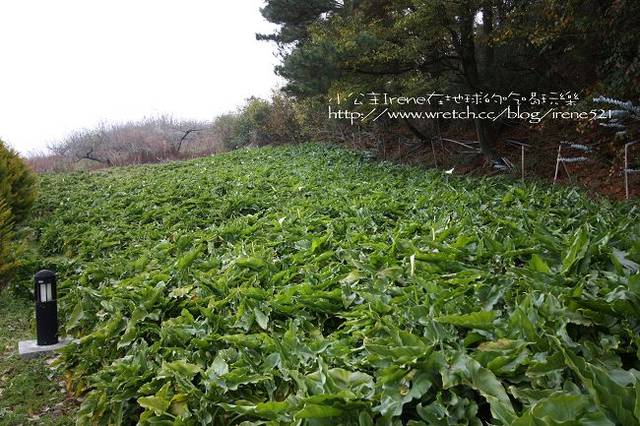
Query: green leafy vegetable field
point(309, 285)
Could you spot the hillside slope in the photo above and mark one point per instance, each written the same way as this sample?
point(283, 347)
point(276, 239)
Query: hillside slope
point(308, 285)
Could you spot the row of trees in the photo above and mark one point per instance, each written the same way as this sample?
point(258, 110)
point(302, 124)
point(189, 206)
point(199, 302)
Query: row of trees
point(148, 140)
point(258, 122)
point(413, 47)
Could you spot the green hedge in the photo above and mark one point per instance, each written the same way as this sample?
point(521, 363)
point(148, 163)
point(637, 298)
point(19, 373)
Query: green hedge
point(17, 183)
point(8, 262)
point(17, 195)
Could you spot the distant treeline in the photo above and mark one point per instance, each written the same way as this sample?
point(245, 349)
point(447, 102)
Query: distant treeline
point(412, 48)
point(277, 120)
point(114, 144)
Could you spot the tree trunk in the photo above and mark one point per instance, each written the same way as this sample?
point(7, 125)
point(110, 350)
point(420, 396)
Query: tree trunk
point(486, 52)
point(485, 138)
point(467, 52)
point(485, 129)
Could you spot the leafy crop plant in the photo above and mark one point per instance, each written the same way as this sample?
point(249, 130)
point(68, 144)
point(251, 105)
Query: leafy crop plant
point(308, 285)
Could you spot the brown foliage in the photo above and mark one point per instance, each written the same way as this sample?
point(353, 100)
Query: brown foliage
point(150, 140)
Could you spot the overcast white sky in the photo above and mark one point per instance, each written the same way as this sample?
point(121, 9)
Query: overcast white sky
point(70, 64)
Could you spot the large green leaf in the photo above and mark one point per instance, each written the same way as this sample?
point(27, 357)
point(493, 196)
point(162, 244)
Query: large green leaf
point(261, 285)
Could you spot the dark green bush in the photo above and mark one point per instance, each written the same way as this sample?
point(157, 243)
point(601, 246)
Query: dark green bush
point(7, 262)
point(17, 183)
point(260, 122)
point(252, 124)
point(18, 260)
point(17, 194)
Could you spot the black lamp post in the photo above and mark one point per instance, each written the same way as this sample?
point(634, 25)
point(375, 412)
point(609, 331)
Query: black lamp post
point(46, 308)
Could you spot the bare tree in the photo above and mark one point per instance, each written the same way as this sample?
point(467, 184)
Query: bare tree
point(90, 156)
point(185, 135)
point(148, 140)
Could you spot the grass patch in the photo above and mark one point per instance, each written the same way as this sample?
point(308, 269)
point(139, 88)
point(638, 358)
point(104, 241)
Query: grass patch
point(29, 391)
